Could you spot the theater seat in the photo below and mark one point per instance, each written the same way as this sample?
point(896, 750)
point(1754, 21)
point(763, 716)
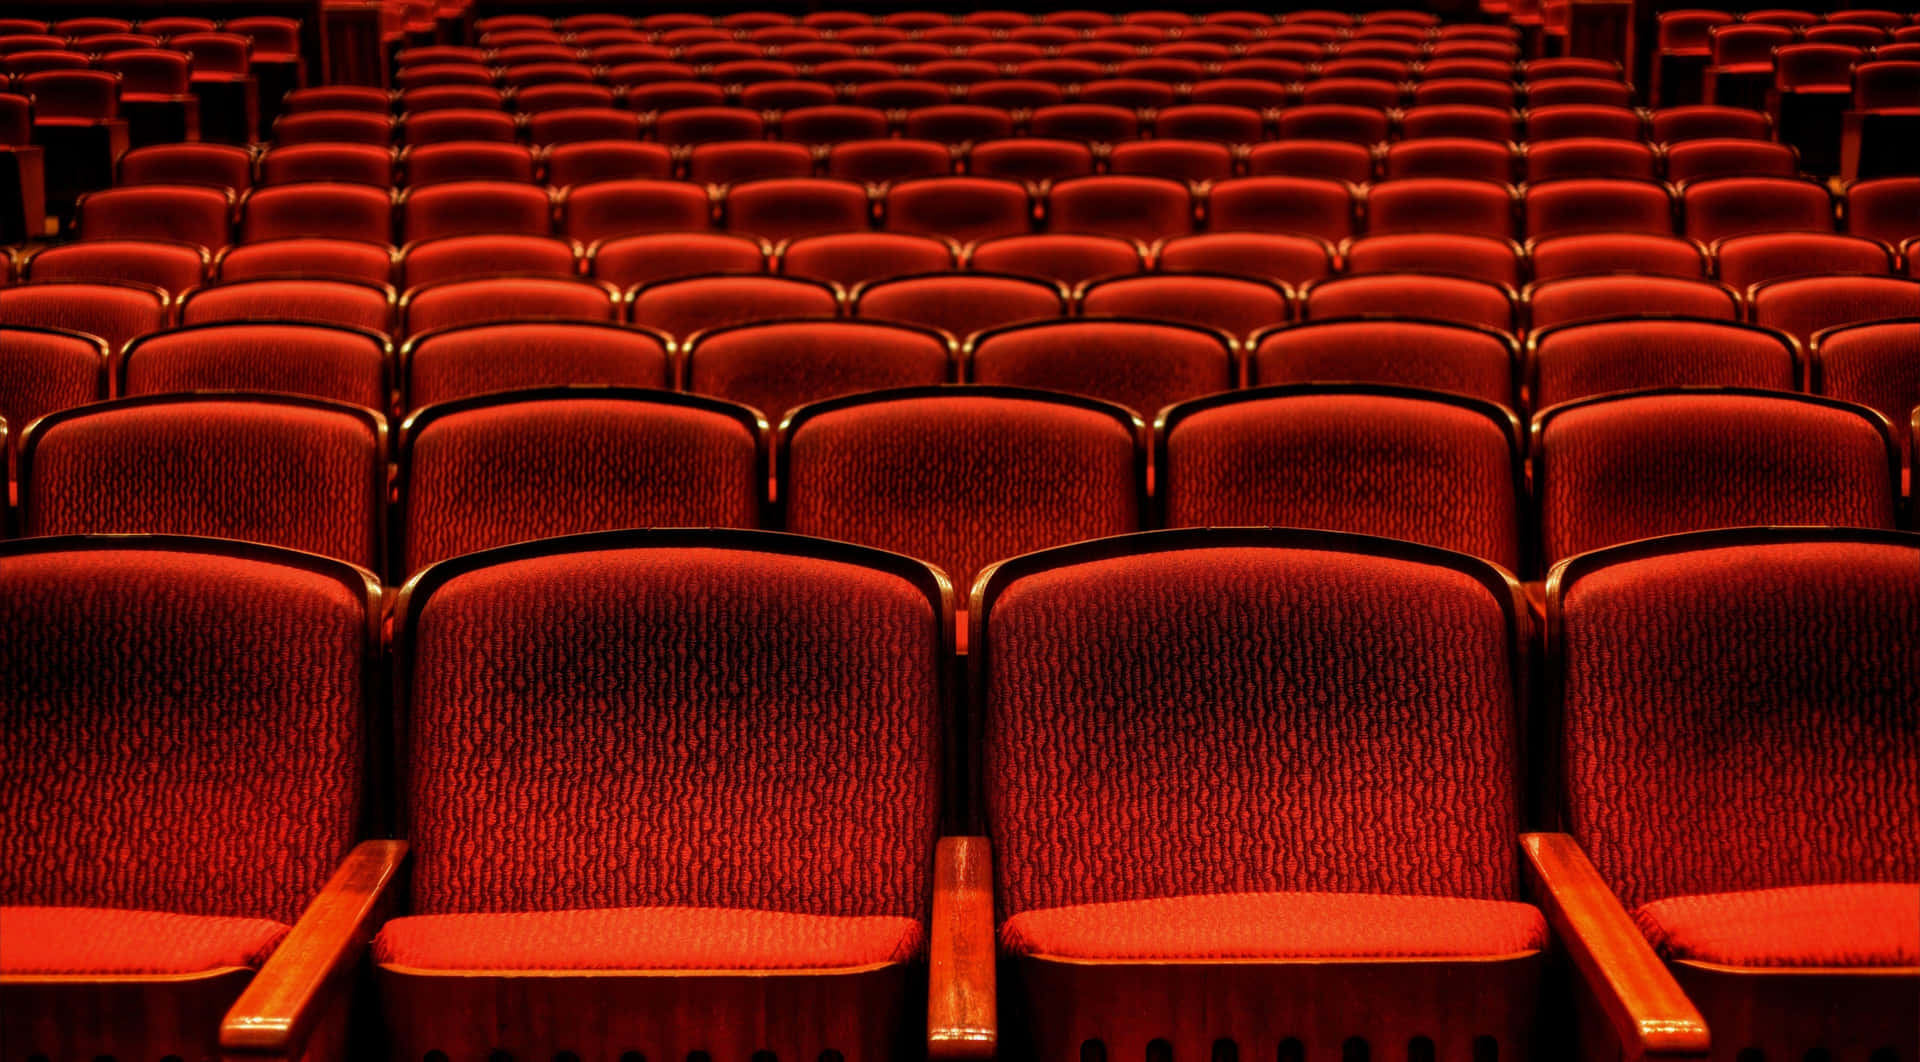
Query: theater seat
point(461, 360)
point(774, 366)
point(1141, 364)
point(1406, 351)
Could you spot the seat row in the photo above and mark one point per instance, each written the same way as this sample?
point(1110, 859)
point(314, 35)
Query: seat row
point(606, 849)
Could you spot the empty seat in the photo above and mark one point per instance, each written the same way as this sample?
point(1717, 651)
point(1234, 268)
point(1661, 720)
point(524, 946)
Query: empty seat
point(683, 306)
point(1143, 365)
point(503, 468)
point(316, 257)
point(1441, 204)
point(790, 208)
point(850, 258)
point(319, 301)
point(1802, 306)
point(1582, 205)
point(1303, 206)
point(963, 209)
point(1136, 208)
point(632, 260)
point(43, 370)
point(1091, 122)
point(1440, 298)
point(959, 304)
point(1635, 353)
point(333, 127)
point(1871, 363)
point(1190, 161)
point(1728, 868)
point(1219, 123)
point(1734, 206)
point(957, 123)
point(464, 360)
point(457, 302)
point(1408, 352)
point(732, 161)
point(832, 124)
point(1291, 260)
point(1065, 258)
point(1030, 159)
point(1332, 160)
point(364, 98)
point(882, 161)
point(1743, 261)
point(1128, 94)
point(857, 922)
point(701, 125)
point(1591, 157)
point(330, 209)
point(444, 126)
point(217, 465)
point(1361, 94)
point(458, 208)
point(1423, 466)
point(1449, 157)
point(1606, 252)
point(490, 254)
point(1565, 120)
point(1604, 92)
point(1672, 125)
point(461, 160)
point(605, 160)
point(902, 94)
point(1584, 297)
point(352, 163)
point(1334, 121)
point(1499, 96)
point(1238, 306)
point(1087, 644)
point(184, 213)
point(774, 366)
point(254, 677)
point(1618, 468)
point(1697, 160)
point(962, 477)
point(1887, 209)
point(213, 165)
point(173, 267)
point(344, 365)
point(1482, 258)
point(658, 97)
point(608, 209)
point(115, 312)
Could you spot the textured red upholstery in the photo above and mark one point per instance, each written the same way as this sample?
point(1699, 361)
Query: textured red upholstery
point(848, 258)
point(1634, 466)
point(606, 160)
point(1584, 298)
point(832, 124)
point(1602, 252)
point(1734, 206)
point(213, 165)
point(1092, 122)
point(958, 208)
point(1231, 304)
point(1623, 355)
point(1591, 157)
point(334, 363)
point(458, 302)
point(1580, 205)
point(1293, 260)
point(632, 670)
point(1191, 161)
point(1694, 647)
point(1334, 121)
point(44, 371)
point(645, 938)
point(1141, 365)
point(288, 474)
point(608, 209)
point(1496, 125)
point(1208, 750)
point(515, 469)
point(1065, 257)
point(959, 303)
point(776, 366)
point(1134, 208)
point(172, 267)
point(1496, 261)
point(186, 213)
point(962, 480)
point(1307, 206)
point(1215, 122)
point(1801, 306)
point(1023, 159)
point(1699, 160)
point(459, 124)
point(1327, 160)
point(790, 208)
point(96, 941)
point(1705, 121)
point(365, 263)
point(1244, 927)
point(491, 254)
point(363, 164)
point(114, 312)
point(459, 208)
point(628, 261)
point(1564, 120)
point(883, 160)
point(1401, 466)
point(1872, 364)
point(1456, 158)
point(1887, 209)
point(986, 118)
point(333, 127)
point(457, 362)
point(1439, 298)
point(332, 209)
point(332, 302)
point(693, 304)
point(1758, 257)
point(1413, 353)
point(1817, 925)
point(737, 161)
point(463, 160)
point(1441, 204)
point(184, 735)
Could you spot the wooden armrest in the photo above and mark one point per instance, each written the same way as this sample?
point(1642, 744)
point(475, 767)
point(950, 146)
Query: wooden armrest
point(292, 991)
point(961, 1018)
point(1651, 1016)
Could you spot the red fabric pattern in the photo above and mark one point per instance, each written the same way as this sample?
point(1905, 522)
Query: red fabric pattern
point(646, 938)
point(1819, 925)
point(1414, 353)
point(776, 367)
point(1277, 925)
point(90, 940)
point(504, 357)
point(1143, 366)
point(292, 359)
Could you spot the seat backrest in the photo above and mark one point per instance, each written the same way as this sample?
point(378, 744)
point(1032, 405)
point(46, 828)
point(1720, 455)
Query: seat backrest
point(1633, 353)
point(1190, 161)
point(463, 360)
point(491, 254)
point(459, 208)
point(116, 312)
point(254, 672)
point(332, 209)
point(774, 366)
point(1743, 261)
point(185, 213)
point(1591, 157)
point(959, 304)
point(1886, 209)
point(365, 263)
point(1238, 306)
point(342, 364)
point(1140, 364)
point(633, 260)
point(1802, 306)
point(703, 644)
point(1872, 364)
point(958, 208)
point(1219, 644)
point(1495, 261)
point(1030, 159)
point(961, 477)
point(1616, 468)
point(1398, 462)
point(1127, 207)
point(496, 469)
point(605, 160)
point(1441, 204)
point(1585, 297)
point(172, 267)
point(1433, 354)
point(43, 370)
point(683, 306)
point(475, 162)
point(1289, 259)
point(214, 165)
point(1580, 205)
point(1452, 157)
point(1326, 160)
point(1711, 157)
point(851, 258)
point(1723, 645)
point(607, 209)
point(1605, 252)
point(1735, 206)
point(1670, 125)
point(1306, 206)
point(457, 302)
point(367, 164)
point(739, 161)
point(333, 127)
point(332, 302)
point(1563, 120)
point(287, 471)
point(1440, 298)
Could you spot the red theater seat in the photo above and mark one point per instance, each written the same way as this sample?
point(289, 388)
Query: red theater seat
point(1635, 353)
point(318, 301)
point(116, 312)
point(1406, 352)
point(330, 209)
point(684, 306)
point(316, 257)
point(43, 370)
point(465, 360)
point(172, 267)
point(1064, 258)
point(1587, 296)
point(460, 208)
point(774, 366)
point(1743, 261)
point(959, 304)
point(1606, 252)
point(457, 302)
point(606, 210)
point(1143, 365)
point(851, 258)
point(1870, 363)
point(341, 364)
point(1481, 258)
point(491, 254)
point(1238, 306)
point(1439, 298)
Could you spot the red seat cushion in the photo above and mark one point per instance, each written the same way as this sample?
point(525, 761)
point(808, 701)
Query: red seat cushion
point(97, 940)
point(645, 938)
point(1813, 925)
point(1277, 925)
